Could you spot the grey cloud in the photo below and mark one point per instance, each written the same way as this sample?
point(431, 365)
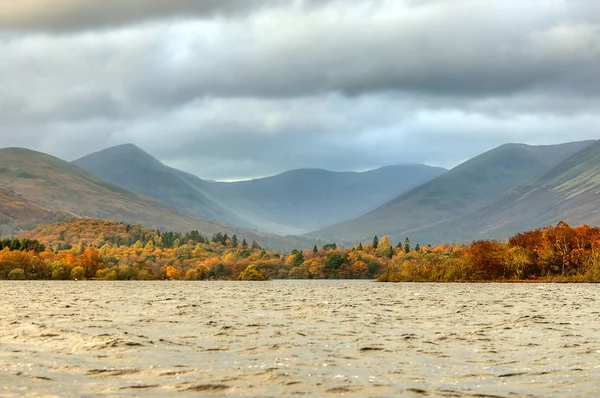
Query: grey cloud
point(448, 53)
point(436, 50)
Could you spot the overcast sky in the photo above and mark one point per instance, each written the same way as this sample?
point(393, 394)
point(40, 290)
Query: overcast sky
point(233, 89)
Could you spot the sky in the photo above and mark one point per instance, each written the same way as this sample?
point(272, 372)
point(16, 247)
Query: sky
point(236, 89)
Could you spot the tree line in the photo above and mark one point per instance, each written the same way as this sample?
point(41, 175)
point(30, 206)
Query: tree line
point(99, 249)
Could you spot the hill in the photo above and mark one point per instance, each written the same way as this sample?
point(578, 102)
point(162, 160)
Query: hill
point(64, 187)
point(294, 202)
point(464, 189)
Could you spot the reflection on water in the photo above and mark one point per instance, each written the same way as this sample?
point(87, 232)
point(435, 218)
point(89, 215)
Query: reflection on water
point(313, 338)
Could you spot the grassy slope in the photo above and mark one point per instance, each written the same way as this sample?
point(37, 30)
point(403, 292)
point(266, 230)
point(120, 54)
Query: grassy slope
point(423, 211)
point(61, 186)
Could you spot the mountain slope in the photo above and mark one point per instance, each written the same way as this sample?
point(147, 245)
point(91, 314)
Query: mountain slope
point(18, 214)
point(289, 203)
point(131, 167)
point(464, 189)
point(569, 192)
point(64, 187)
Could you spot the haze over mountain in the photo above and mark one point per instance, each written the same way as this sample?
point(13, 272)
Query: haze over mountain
point(309, 199)
point(64, 187)
point(294, 202)
point(471, 185)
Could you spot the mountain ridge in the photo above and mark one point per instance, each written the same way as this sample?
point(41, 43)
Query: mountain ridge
point(464, 189)
point(292, 202)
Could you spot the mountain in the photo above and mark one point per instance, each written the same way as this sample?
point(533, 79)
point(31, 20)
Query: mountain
point(309, 199)
point(294, 202)
point(63, 187)
point(18, 214)
point(471, 185)
point(131, 167)
point(569, 192)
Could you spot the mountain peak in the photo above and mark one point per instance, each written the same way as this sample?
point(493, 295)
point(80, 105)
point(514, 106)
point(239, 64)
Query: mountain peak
point(124, 148)
point(120, 155)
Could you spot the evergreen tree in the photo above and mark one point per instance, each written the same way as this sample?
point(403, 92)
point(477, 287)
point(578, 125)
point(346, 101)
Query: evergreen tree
point(406, 245)
point(418, 248)
point(234, 241)
point(375, 242)
point(298, 259)
point(315, 250)
point(244, 244)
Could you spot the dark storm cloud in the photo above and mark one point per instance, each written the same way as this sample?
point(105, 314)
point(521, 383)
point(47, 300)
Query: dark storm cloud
point(289, 53)
point(235, 89)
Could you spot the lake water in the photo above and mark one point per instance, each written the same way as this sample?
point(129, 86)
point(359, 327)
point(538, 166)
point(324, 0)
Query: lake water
point(311, 338)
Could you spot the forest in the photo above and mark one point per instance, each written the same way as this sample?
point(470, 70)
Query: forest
point(105, 250)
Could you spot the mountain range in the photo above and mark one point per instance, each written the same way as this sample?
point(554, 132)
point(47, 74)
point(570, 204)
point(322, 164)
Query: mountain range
point(432, 212)
point(511, 188)
point(294, 202)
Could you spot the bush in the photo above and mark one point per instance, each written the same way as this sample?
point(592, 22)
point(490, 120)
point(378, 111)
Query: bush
point(77, 273)
point(251, 273)
point(106, 274)
point(16, 274)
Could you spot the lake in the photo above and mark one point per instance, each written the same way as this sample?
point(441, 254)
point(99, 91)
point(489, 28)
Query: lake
point(311, 338)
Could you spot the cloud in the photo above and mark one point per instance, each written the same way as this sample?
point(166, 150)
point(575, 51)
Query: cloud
point(234, 89)
point(74, 15)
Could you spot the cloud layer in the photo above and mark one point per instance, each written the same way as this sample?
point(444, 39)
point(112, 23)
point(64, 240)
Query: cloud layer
point(239, 89)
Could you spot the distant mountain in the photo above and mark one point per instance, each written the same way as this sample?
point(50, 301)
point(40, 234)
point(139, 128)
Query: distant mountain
point(309, 199)
point(475, 183)
point(569, 192)
point(18, 214)
point(289, 203)
point(131, 167)
point(63, 187)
